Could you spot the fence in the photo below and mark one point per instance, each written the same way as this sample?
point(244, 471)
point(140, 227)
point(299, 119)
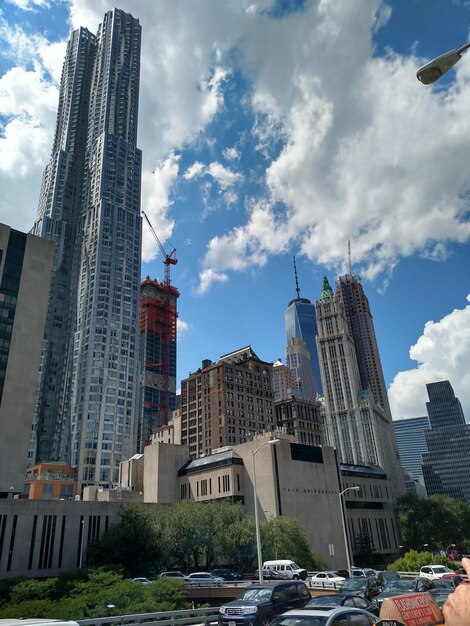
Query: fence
point(198, 617)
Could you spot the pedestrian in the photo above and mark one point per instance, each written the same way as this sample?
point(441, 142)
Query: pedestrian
point(457, 607)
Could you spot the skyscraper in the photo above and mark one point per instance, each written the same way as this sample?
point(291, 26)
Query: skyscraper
point(301, 323)
point(445, 465)
point(299, 362)
point(411, 441)
point(89, 206)
point(357, 412)
point(25, 273)
point(158, 356)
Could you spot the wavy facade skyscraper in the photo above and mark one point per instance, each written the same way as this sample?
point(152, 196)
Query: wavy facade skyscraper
point(89, 206)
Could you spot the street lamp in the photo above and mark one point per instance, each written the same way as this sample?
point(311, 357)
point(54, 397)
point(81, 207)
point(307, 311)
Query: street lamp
point(440, 65)
point(343, 515)
point(271, 442)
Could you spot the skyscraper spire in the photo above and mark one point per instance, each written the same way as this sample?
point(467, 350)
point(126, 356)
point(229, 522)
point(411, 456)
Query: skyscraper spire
point(297, 289)
point(327, 291)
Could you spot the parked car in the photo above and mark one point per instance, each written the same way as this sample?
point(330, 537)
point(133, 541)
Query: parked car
point(173, 574)
point(343, 599)
point(443, 587)
point(367, 587)
point(270, 574)
point(434, 571)
point(203, 578)
point(226, 574)
point(386, 576)
point(402, 586)
point(142, 580)
point(325, 616)
point(328, 580)
point(259, 604)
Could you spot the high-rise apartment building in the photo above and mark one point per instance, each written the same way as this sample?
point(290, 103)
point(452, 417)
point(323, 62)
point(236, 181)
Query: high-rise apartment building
point(357, 413)
point(158, 315)
point(411, 441)
point(445, 466)
point(25, 274)
point(226, 403)
point(89, 206)
point(301, 323)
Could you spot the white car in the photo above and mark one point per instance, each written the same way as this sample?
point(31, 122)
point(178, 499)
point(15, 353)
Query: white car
point(204, 579)
point(327, 580)
point(433, 572)
point(325, 616)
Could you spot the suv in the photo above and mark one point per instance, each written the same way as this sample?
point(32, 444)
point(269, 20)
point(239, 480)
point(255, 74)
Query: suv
point(434, 571)
point(259, 604)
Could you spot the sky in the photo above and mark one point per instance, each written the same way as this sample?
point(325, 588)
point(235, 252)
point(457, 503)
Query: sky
point(274, 128)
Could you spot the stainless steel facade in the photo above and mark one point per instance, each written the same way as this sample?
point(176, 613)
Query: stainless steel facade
point(89, 206)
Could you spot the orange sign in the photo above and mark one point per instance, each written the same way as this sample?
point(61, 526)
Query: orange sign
point(414, 609)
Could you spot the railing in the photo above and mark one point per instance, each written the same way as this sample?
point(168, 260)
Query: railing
point(187, 617)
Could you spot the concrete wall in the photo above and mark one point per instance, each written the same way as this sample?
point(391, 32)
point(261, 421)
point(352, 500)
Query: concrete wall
point(45, 538)
point(162, 462)
point(19, 392)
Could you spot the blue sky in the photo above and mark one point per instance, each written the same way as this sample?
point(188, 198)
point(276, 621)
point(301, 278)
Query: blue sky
point(270, 129)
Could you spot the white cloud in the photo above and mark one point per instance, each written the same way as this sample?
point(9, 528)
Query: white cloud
point(182, 327)
point(207, 277)
point(225, 177)
point(231, 154)
point(29, 5)
point(442, 353)
point(156, 190)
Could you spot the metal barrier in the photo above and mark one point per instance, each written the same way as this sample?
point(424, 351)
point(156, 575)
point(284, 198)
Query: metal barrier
point(197, 617)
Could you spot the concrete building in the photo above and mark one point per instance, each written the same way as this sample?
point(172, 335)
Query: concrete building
point(226, 403)
point(445, 465)
point(411, 441)
point(25, 274)
point(283, 383)
point(158, 314)
point(293, 480)
point(89, 206)
point(357, 412)
point(301, 323)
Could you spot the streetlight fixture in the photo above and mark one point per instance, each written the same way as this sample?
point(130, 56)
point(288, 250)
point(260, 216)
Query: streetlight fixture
point(271, 442)
point(440, 65)
point(345, 534)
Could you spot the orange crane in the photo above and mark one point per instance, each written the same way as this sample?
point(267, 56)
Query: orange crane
point(168, 324)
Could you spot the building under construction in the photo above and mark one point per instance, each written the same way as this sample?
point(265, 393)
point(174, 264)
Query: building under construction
point(158, 316)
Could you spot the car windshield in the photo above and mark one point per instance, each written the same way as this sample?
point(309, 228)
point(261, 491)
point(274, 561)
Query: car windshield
point(443, 583)
point(355, 583)
point(324, 601)
point(400, 585)
point(300, 620)
point(294, 565)
point(332, 574)
point(256, 595)
point(441, 570)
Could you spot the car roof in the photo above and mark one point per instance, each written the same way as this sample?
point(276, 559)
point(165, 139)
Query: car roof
point(326, 611)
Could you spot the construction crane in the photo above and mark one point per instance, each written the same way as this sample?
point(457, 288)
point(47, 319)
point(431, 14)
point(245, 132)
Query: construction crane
point(169, 322)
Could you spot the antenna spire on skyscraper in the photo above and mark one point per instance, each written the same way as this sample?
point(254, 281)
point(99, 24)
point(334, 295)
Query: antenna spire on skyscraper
point(297, 289)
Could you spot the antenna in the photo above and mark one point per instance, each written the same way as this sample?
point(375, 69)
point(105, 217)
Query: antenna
point(297, 289)
point(349, 257)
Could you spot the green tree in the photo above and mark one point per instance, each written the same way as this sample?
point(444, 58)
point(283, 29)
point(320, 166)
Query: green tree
point(286, 537)
point(413, 561)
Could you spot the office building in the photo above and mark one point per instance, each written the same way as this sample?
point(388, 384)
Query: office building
point(301, 323)
point(25, 274)
point(445, 466)
point(158, 314)
point(301, 419)
point(357, 412)
point(411, 444)
point(299, 362)
point(226, 403)
point(88, 396)
point(283, 383)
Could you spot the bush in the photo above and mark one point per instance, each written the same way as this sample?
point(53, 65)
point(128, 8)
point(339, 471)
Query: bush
point(413, 561)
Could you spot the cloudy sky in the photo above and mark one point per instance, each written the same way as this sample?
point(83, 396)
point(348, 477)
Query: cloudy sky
point(273, 128)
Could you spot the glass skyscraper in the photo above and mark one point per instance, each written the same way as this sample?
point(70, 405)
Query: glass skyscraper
point(89, 206)
point(411, 441)
point(301, 323)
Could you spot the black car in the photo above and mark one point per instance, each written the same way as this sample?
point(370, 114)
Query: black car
point(270, 574)
point(402, 586)
point(367, 587)
point(259, 604)
point(386, 576)
point(343, 599)
point(226, 574)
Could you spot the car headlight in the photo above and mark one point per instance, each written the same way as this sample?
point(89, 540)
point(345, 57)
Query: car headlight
point(222, 609)
point(249, 610)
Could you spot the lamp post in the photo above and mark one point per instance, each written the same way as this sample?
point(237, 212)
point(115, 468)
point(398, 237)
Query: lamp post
point(271, 442)
point(440, 65)
point(343, 515)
